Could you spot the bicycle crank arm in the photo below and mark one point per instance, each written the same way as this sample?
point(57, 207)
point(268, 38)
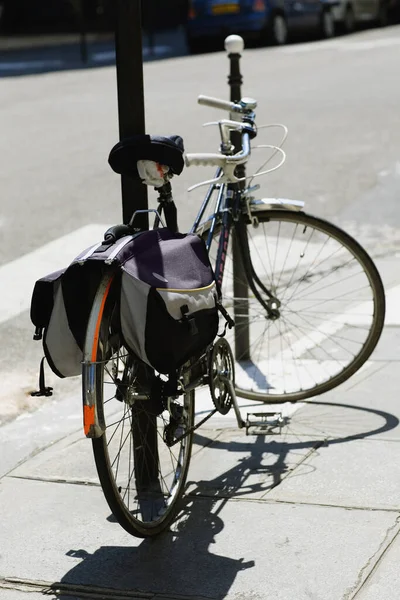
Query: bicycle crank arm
point(236, 408)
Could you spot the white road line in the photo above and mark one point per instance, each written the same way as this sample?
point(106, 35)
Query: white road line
point(358, 315)
point(100, 57)
point(104, 56)
point(147, 51)
point(31, 65)
point(292, 368)
point(17, 278)
point(109, 55)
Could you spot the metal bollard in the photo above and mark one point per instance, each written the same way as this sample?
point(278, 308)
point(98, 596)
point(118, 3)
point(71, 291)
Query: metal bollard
point(234, 45)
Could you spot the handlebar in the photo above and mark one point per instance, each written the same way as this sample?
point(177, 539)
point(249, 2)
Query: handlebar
point(217, 103)
point(244, 107)
point(205, 159)
point(227, 163)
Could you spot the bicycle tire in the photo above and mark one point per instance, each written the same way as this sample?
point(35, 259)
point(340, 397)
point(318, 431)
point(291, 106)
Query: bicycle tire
point(141, 476)
point(339, 257)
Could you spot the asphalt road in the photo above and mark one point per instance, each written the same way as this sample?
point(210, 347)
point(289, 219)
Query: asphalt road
point(309, 514)
point(29, 55)
point(339, 99)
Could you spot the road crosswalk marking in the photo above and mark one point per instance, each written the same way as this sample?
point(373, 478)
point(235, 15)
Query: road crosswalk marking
point(17, 278)
point(31, 65)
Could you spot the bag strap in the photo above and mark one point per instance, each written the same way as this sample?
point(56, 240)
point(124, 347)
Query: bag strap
point(229, 321)
point(43, 390)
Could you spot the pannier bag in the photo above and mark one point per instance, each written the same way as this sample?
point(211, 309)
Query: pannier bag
point(167, 300)
point(61, 305)
point(168, 303)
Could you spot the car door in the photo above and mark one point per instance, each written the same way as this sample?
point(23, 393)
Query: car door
point(365, 10)
point(303, 14)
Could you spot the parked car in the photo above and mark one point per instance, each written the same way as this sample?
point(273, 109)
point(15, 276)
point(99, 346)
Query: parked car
point(348, 14)
point(271, 21)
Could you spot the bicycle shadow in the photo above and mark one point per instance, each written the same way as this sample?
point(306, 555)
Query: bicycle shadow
point(258, 472)
point(178, 562)
point(181, 561)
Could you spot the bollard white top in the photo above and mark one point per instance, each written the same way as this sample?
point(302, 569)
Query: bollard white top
point(234, 44)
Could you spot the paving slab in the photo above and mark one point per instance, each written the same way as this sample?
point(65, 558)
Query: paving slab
point(385, 579)
point(236, 465)
point(360, 473)
point(388, 347)
point(10, 594)
point(14, 588)
point(56, 420)
point(376, 376)
point(31, 432)
point(234, 549)
point(71, 460)
point(347, 417)
point(224, 463)
point(369, 409)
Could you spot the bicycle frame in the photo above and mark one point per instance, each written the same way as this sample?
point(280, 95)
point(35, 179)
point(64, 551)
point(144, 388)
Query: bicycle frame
point(228, 211)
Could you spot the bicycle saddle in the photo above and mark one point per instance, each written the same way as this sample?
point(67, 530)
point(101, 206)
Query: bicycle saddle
point(164, 150)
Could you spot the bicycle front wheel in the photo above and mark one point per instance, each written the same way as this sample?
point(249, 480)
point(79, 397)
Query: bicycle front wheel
point(329, 306)
point(141, 463)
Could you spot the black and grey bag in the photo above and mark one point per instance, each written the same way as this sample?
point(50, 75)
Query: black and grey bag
point(60, 308)
point(167, 300)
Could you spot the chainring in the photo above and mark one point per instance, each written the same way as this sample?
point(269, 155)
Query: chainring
point(221, 375)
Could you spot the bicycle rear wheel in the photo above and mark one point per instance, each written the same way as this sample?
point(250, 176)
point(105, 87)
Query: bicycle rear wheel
point(331, 307)
point(142, 471)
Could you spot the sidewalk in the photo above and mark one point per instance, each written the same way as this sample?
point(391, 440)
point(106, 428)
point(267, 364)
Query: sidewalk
point(312, 513)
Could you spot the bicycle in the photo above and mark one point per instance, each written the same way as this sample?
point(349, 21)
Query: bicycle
point(308, 305)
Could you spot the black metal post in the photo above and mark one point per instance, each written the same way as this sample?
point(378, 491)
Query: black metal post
point(129, 61)
point(235, 78)
point(240, 287)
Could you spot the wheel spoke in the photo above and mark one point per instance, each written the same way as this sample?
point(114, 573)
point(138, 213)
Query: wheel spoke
point(141, 476)
point(330, 307)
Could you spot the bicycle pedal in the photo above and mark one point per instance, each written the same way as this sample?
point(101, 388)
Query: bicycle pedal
point(265, 423)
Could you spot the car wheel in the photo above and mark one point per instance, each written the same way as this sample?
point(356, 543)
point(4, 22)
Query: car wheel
point(278, 30)
point(349, 22)
point(327, 25)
